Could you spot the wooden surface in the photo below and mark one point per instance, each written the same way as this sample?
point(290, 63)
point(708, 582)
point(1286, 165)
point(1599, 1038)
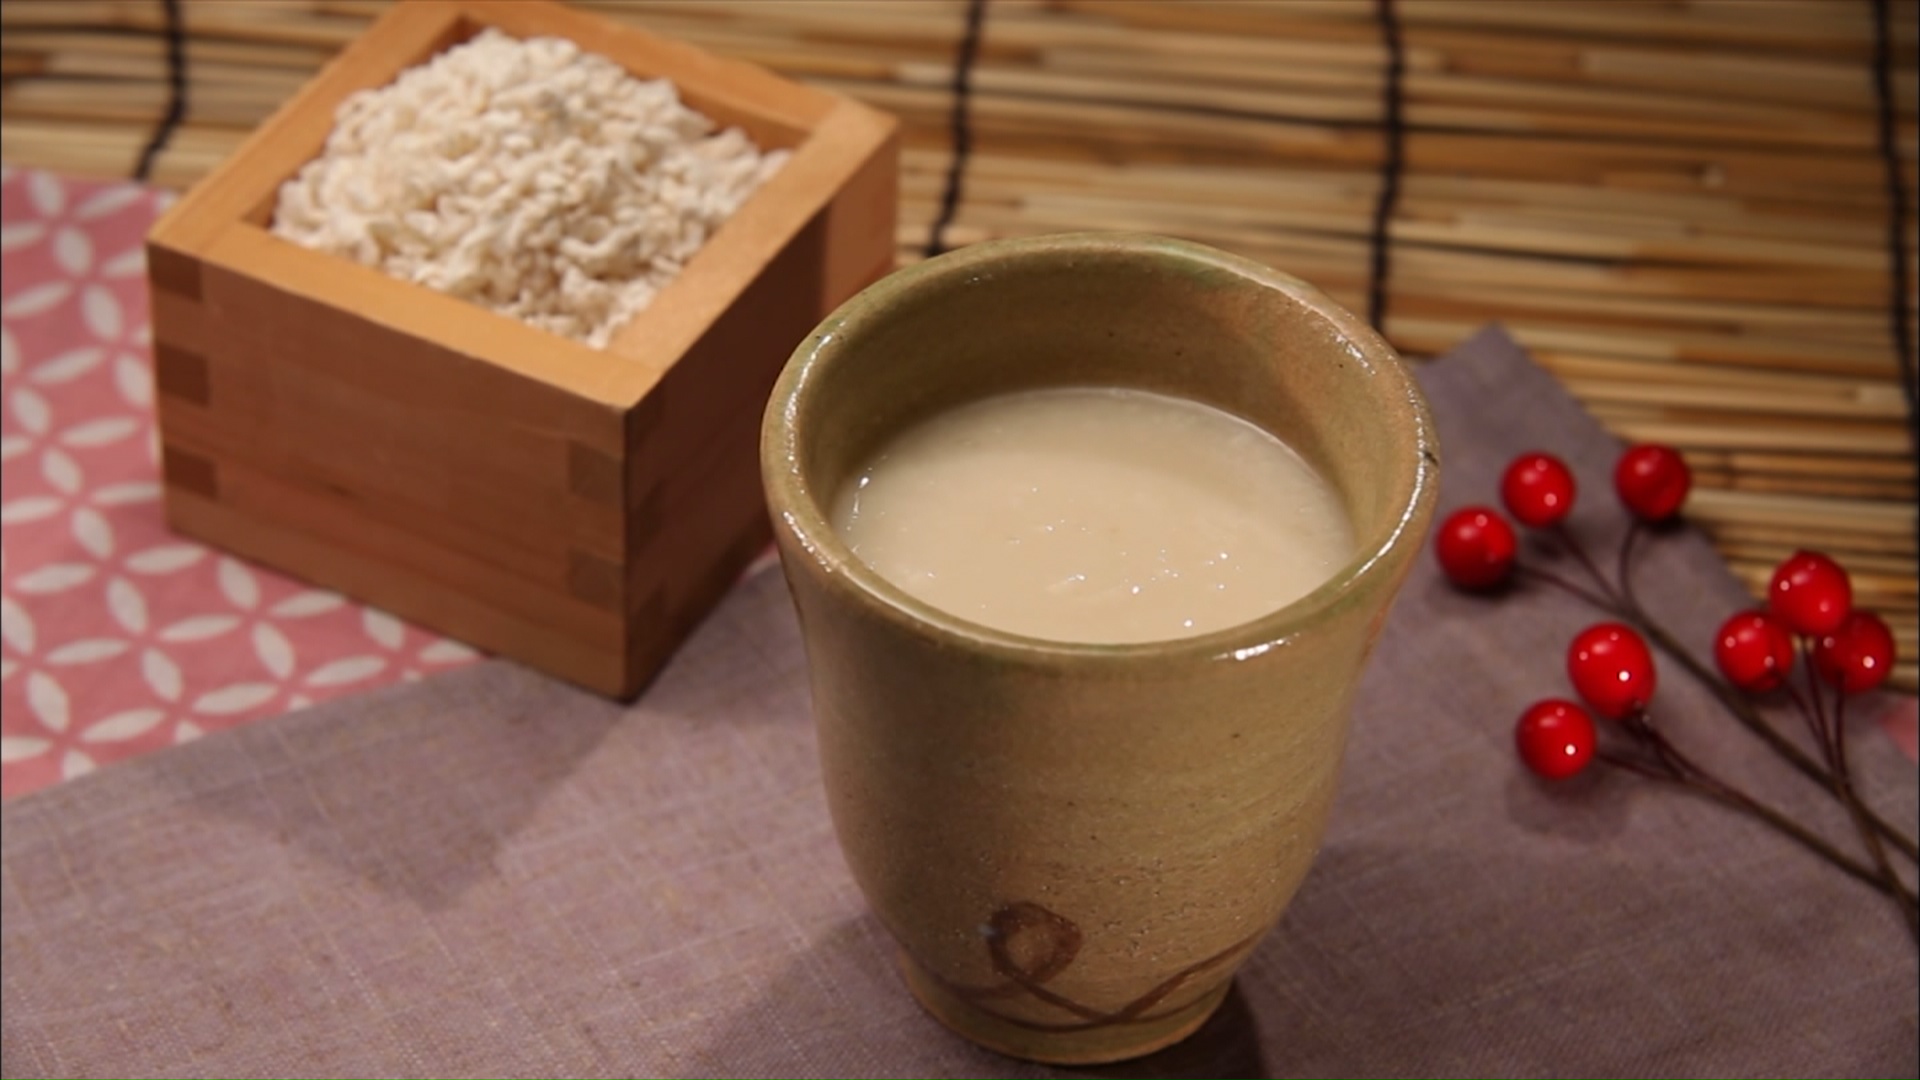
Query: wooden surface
point(527, 494)
point(1678, 205)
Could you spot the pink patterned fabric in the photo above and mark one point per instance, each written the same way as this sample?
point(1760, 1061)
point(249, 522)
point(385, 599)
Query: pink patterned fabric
point(121, 637)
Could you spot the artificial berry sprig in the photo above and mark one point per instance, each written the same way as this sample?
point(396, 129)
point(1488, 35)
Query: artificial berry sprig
point(1556, 738)
point(1535, 480)
point(1853, 657)
point(1611, 667)
point(1810, 593)
point(1739, 698)
point(1476, 547)
point(1858, 655)
point(1538, 489)
point(1653, 481)
point(1612, 670)
point(1753, 651)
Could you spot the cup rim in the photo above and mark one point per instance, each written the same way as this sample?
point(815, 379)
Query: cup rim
point(797, 509)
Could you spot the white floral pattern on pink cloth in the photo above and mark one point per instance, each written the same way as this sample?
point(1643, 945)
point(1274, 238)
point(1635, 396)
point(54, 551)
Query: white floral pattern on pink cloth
point(121, 637)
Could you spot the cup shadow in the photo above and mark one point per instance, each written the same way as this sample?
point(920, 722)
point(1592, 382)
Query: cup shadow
point(413, 794)
point(869, 1024)
point(1226, 1046)
point(416, 788)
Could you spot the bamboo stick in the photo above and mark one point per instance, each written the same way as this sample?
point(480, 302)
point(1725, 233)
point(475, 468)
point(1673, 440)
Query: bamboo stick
point(1687, 432)
point(1839, 31)
point(1093, 211)
point(277, 57)
point(1840, 515)
point(95, 103)
point(1888, 406)
point(1840, 487)
point(1836, 541)
point(1591, 236)
point(1901, 468)
point(1850, 243)
point(255, 20)
point(1765, 554)
point(1845, 393)
point(1435, 334)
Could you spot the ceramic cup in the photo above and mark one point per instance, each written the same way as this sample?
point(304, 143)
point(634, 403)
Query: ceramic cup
point(1076, 845)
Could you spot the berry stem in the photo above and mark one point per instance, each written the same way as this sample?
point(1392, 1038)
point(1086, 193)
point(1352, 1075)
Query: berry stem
point(1824, 729)
point(1628, 600)
point(1688, 773)
point(1743, 710)
point(1903, 898)
point(1550, 578)
point(1578, 550)
point(1635, 765)
point(1815, 717)
point(1741, 801)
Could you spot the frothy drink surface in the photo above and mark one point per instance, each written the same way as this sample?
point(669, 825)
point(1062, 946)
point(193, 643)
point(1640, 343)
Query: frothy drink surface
point(1095, 515)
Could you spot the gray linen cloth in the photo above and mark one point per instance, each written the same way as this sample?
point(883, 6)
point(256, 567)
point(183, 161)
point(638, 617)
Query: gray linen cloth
point(491, 873)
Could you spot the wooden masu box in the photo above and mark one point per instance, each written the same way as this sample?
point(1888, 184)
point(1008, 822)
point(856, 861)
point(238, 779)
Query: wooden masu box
point(575, 509)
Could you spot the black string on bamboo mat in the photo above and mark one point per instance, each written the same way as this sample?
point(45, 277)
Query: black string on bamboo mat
point(1393, 130)
point(1898, 282)
point(961, 125)
point(176, 41)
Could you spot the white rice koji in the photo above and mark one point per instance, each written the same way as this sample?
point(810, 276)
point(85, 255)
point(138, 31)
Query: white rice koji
point(528, 177)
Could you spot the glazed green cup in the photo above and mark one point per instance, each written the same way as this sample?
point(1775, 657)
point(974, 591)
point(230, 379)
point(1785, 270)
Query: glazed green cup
point(1075, 846)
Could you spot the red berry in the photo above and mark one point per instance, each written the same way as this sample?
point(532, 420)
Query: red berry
point(1810, 593)
point(1754, 651)
point(1858, 655)
point(1475, 547)
point(1555, 738)
point(1652, 481)
point(1538, 489)
point(1612, 669)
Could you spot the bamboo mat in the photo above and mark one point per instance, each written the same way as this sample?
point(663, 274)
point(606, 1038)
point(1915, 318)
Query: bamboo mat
point(1678, 205)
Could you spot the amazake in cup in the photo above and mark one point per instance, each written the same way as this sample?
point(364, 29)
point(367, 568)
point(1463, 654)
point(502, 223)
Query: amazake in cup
point(1077, 845)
